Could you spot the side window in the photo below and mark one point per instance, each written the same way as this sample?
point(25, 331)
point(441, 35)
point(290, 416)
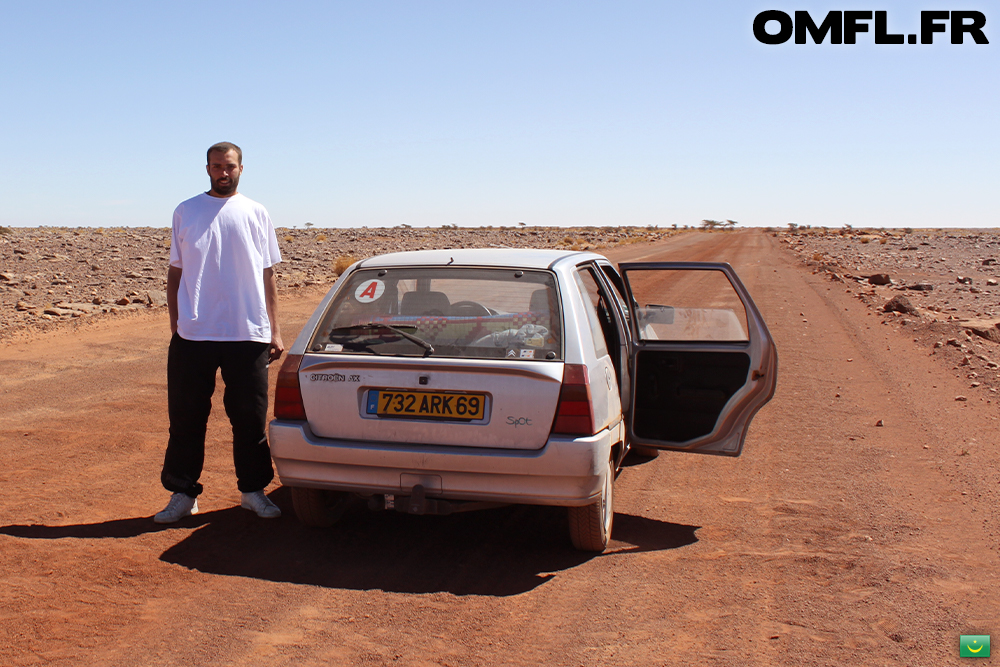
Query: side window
point(619, 289)
point(594, 303)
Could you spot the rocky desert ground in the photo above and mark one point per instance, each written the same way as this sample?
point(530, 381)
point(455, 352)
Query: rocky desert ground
point(940, 286)
point(52, 276)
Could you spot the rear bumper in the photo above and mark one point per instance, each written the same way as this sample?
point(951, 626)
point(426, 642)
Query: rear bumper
point(566, 471)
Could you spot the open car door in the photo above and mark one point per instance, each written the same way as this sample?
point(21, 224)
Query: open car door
point(703, 362)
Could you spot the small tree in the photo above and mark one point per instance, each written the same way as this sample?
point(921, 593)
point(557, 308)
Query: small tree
point(731, 224)
point(709, 224)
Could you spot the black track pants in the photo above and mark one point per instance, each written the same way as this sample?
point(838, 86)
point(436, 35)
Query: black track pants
point(191, 368)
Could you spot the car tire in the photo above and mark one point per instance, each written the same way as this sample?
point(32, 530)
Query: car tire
point(590, 525)
point(318, 508)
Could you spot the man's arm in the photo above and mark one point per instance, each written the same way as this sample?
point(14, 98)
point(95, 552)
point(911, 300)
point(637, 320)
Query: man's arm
point(271, 300)
point(173, 284)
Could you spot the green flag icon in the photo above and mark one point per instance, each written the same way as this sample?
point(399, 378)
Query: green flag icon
point(974, 646)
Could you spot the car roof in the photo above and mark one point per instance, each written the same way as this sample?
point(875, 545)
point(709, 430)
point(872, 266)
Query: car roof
point(528, 258)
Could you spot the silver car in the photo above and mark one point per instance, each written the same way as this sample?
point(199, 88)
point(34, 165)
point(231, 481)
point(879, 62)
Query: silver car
point(448, 380)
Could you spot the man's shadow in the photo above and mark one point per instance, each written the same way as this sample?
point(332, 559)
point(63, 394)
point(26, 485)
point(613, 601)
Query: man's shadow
point(496, 552)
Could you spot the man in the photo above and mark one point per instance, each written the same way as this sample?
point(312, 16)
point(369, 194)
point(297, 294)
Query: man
point(222, 297)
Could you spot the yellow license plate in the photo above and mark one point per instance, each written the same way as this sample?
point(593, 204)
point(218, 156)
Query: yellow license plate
point(426, 404)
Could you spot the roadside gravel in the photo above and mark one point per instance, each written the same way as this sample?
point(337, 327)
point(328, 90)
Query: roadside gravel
point(939, 287)
point(52, 277)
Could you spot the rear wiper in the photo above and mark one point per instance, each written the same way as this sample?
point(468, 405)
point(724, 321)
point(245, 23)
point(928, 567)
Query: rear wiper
point(428, 348)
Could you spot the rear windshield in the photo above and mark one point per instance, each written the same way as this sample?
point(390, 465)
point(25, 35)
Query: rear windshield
point(444, 312)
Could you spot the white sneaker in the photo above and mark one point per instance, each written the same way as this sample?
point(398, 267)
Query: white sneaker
point(260, 504)
point(180, 506)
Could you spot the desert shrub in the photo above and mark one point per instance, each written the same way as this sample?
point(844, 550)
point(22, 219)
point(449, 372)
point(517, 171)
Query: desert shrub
point(320, 238)
point(342, 263)
point(882, 241)
point(567, 240)
point(866, 239)
point(289, 238)
point(5, 230)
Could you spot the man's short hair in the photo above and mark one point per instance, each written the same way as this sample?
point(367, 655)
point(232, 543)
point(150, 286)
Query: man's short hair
point(224, 147)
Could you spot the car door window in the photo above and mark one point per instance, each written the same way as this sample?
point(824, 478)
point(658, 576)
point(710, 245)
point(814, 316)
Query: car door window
point(619, 289)
point(593, 302)
point(687, 306)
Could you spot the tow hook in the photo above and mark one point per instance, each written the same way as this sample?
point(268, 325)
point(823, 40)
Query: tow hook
point(418, 503)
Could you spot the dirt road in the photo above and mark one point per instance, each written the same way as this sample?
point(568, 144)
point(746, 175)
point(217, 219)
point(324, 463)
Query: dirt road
point(831, 541)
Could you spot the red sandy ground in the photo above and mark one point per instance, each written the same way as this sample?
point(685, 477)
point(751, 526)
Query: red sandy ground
point(831, 541)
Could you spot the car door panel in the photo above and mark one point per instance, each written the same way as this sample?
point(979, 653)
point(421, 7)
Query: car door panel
point(703, 362)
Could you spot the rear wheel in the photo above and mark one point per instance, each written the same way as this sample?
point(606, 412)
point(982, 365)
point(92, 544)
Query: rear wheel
point(319, 508)
point(590, 525)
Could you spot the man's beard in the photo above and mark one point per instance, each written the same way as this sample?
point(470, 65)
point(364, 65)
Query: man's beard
point(225, 188)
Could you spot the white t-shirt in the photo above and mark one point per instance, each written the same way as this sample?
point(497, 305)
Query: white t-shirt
point(222, 246)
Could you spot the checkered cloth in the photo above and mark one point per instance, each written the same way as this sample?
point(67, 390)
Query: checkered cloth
point(441, 328)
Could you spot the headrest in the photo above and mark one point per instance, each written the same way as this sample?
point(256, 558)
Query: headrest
point(540, 301)
point(424, 303)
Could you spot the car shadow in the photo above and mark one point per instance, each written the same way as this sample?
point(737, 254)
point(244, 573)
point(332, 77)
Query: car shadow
point(634, 459)
point(498, 552)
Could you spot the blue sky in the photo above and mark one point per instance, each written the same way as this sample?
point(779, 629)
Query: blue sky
point(493, 113)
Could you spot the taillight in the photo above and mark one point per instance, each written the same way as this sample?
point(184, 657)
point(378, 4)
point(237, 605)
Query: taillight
point(287, 395)
point(575, 412)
